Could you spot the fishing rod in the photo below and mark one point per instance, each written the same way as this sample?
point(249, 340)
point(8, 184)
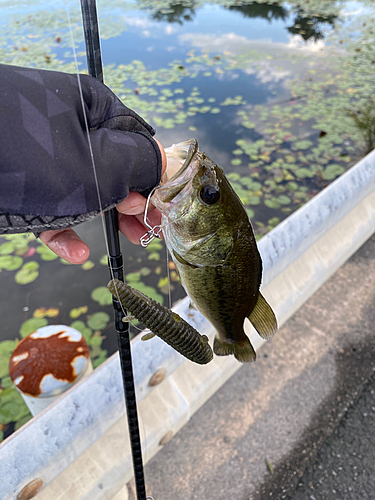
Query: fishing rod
point(115, 263)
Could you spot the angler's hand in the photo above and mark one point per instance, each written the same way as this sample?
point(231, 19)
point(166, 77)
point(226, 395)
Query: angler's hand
point(68, 245)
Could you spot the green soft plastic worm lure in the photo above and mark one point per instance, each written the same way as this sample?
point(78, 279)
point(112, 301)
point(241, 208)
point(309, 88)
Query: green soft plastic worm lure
point(164, 323)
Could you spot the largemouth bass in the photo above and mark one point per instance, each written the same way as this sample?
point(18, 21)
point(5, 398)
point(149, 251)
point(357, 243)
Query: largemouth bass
point(211, 241)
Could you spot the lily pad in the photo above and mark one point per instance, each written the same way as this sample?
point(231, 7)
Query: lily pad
point(81, 327)
point(104, 260)
point(95, 341)
point(7, 248)
point(6, 382)
point(7, 347)
point(253, 200)
point(154, 256)
point(23, 421)
point(150, 292)
point(284, 200)
point(32, 324)
point(4, 366)
point(154, 245)
point(292, 186)
point(165, 286)
point(233, 176)
point(332, 171)
point(132, 277)
point(13, 407)
point(302, 173)
point(272, 203)
point(145, 271)
point(102, 295)
point(63, 261)
point(305, 144)
point(248, 124)
point(78, 311)
point(100, 358)
point(273, 222)
point(10, 262)
point(28, 273)
point(250, 184)
point(98, 321)
point(86, 266)
point(46, 254)
point(78, 325)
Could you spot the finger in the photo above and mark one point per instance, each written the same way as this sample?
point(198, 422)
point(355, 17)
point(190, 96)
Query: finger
point(153, 218)
point(134, 204)
point(131, 227)
point(66, 244)
point(163, 157)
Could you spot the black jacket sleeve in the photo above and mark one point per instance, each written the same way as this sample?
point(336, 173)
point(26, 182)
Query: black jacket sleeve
point(47, 163)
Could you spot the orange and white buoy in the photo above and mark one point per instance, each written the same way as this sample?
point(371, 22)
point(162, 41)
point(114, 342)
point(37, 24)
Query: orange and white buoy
point(48, 362)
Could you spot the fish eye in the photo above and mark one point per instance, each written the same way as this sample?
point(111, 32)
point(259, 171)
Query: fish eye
point(209, 194)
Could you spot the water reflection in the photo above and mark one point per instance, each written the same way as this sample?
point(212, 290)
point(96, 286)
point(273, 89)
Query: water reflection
point(269, 11)
point(175, 13)
point(311, 27)
point(307, 23)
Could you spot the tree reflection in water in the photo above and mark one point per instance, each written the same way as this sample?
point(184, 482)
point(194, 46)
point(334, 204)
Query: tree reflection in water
point(310, 27)
point(308, 24)
point(269, 11)
point(175, 13)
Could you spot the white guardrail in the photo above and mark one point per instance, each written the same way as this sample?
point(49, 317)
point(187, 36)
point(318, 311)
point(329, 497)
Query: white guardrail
point(79, 446)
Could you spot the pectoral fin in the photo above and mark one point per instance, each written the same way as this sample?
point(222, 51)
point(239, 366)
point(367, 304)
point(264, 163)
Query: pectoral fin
point(243, 351)
point(192, 306)
point(181, 260)
point(263, 318)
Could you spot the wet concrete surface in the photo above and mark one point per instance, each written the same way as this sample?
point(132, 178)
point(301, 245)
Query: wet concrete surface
point(344, 467)
point(301, 407)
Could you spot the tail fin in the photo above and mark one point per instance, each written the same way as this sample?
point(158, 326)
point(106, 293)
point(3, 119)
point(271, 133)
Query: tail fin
point(263, 318)
point(243, 352)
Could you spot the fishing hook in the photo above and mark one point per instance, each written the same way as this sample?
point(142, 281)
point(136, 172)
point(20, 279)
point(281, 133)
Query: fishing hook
point(154, 232)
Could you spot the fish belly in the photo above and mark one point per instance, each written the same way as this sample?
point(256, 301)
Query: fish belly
point(225, 295)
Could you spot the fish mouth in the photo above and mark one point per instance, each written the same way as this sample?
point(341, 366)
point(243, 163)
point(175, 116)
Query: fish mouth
point(179, 157)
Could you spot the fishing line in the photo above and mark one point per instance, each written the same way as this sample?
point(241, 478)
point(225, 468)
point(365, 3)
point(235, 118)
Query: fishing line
point(154, 232)
point(90, 148)
point(169, 279)
point(109, 222)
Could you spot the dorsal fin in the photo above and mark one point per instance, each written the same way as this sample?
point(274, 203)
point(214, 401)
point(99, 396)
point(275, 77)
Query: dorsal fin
point(263, 318)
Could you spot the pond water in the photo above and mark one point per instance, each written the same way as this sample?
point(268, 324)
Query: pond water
point(276, 93)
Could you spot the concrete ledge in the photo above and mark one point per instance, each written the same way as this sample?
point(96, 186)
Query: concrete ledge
point(79, 445)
